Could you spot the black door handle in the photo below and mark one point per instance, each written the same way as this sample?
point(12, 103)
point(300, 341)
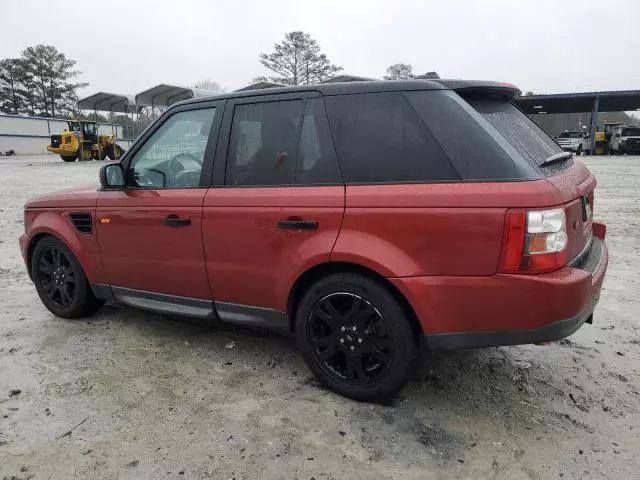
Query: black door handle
point(297, 224)
point(175, 221)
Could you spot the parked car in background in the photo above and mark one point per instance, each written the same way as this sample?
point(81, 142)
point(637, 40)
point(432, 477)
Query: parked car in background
point(350, 215)
point(625, 139)
point(574, 141)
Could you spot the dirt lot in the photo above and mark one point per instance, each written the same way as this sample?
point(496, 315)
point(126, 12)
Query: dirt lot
point(160, 398)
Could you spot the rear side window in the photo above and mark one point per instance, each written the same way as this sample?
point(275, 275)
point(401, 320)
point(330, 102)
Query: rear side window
point(317, 162)
point(380, 138)
point(281, 143)
point(263, 147)
point(520, 131)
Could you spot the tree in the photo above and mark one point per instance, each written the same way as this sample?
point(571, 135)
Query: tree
point(208, 84)
point(399, 71)
point(297, 61)
point(11, 97)
point(52, 74)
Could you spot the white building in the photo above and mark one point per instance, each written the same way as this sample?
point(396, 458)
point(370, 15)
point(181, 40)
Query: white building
point(31, 135)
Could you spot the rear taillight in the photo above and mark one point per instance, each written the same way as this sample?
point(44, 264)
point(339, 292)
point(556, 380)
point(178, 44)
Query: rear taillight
point(535, 241)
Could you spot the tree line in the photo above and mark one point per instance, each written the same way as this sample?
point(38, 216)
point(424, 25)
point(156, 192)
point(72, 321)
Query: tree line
point(297, 60)
point(41, 81)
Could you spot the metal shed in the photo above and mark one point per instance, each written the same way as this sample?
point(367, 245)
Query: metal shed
point(164, 95)
point(108, 102)
point(594, 102)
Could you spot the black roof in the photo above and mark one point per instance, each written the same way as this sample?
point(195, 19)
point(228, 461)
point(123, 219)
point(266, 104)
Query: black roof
point(374, 86)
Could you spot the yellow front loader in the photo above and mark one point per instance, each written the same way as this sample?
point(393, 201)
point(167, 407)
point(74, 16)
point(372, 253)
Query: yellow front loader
point(82, 142)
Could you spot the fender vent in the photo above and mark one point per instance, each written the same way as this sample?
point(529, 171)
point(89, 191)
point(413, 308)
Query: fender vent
point(82, 222)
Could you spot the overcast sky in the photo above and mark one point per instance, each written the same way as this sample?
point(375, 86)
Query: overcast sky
point(546, 46)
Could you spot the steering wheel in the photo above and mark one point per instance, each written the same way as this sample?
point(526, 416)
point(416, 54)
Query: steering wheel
point(177, 164)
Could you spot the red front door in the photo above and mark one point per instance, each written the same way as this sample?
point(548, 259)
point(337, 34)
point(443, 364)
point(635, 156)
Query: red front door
point(150, 232)
point(145, 246)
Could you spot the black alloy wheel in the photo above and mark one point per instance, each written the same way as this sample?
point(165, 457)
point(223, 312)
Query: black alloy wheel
point(60, 281)
point(356, 336)
point(351, 338)
point(57, 276)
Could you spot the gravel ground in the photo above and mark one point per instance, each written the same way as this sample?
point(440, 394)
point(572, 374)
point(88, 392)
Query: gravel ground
point(158, 398)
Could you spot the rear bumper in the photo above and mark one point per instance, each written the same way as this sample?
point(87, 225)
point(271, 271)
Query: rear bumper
point(463, 312)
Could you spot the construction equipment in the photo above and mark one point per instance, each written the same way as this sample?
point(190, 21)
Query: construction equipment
point(83, 142)
point(603, 137)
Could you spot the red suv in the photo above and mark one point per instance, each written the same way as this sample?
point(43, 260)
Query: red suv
point(366, 218)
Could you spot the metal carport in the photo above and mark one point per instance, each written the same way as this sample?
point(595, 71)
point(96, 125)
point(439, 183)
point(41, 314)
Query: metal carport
point(112, 103)
point(594, 102)
point(164, 95)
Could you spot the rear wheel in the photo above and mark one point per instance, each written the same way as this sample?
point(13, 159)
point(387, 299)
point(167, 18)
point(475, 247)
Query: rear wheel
point(355, 337)
point(579, 151)
point(113, 153)
point(69, 158)
point(60, 280)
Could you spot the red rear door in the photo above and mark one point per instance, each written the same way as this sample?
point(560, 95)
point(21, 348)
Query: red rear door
point(278, 208)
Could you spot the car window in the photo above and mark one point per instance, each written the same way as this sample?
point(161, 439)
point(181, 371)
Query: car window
point(263, 145)
point(380, 138)
point(172, 157)
point(631, 132)
point(516, 128)
point(474, 147)
point(317, 162)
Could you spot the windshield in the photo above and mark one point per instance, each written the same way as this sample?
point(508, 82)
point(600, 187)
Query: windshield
point(631, 132)
point(570, 135)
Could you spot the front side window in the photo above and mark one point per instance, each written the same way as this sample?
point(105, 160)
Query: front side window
point(173, 156)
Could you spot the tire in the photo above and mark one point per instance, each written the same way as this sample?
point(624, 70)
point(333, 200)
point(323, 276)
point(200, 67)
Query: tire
point(579, 151)
point(69, 158)
point(60, 281)
point(108, 152)
point(371, 362)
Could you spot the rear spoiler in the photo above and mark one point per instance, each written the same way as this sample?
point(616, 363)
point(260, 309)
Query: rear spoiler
point(472, 87)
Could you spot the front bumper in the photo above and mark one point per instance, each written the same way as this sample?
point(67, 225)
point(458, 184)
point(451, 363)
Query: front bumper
point(503, 309)
point(24, 249)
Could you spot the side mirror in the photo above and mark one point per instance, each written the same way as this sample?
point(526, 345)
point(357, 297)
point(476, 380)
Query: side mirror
point(112, 176)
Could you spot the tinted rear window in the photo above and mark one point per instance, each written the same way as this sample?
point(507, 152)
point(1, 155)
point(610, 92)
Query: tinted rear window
point(476, 150)
point(516, 128)
point(380, 138)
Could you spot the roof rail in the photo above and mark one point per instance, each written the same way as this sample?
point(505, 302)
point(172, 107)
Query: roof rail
point(347, 78)
point(260, 85)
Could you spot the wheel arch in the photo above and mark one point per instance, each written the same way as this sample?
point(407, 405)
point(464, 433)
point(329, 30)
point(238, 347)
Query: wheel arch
point(315, 273)
point(83, 246)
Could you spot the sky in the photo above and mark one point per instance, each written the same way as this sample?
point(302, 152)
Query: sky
point(542, 46)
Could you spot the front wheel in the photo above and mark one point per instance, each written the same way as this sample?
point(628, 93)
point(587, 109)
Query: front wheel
point(60, 281)
point(579, 151)
point(69, 158)
point(355, 337)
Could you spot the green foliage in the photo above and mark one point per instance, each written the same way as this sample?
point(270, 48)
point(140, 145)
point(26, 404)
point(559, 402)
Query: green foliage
point(40, 82)
point(297, 61)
